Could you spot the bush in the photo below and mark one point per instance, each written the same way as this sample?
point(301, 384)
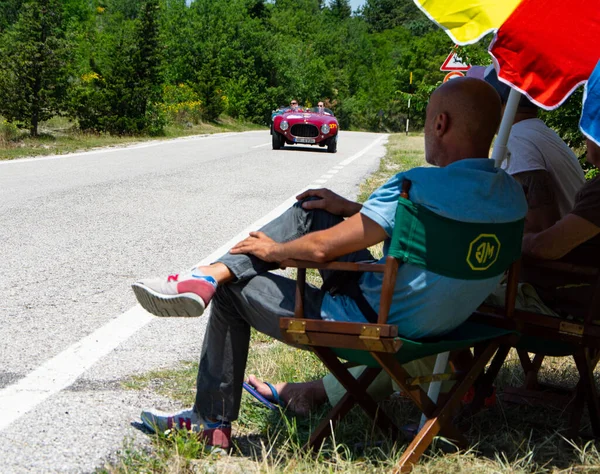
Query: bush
point(245, 100)
point(181, 104)
point(9, 132)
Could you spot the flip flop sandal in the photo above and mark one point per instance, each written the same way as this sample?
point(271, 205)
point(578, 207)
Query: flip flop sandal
point(274, 404)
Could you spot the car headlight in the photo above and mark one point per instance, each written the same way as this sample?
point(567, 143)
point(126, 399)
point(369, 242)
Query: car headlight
point(284, 125)
point(325, 128)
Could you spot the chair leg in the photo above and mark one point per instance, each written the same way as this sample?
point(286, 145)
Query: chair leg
point(440, 420)
point(420, 398)
point(486, 379)
point(531, 368)
point(588, 386)
point(358, 391)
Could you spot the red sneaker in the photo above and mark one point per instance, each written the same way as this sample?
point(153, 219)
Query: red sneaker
point(178, 295)
point(216, 433)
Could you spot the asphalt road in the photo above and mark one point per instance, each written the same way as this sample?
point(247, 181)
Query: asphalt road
point(77, 230)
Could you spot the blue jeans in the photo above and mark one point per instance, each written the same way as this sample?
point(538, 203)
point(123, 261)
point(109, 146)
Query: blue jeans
point(255, 298)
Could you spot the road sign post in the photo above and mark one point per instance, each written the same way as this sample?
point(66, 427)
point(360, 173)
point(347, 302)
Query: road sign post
point(410, 89)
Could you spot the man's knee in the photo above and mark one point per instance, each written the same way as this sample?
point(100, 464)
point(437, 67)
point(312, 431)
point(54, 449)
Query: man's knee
point(322, 217)
point(224, 295)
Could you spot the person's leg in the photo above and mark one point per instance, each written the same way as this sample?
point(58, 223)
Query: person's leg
point(380, 389)
point(259, 303)
point(298, 397)
point(188, 293)
point(292, 224)
point(302, 397)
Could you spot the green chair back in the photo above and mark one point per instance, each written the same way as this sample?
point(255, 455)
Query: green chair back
point(465, 250)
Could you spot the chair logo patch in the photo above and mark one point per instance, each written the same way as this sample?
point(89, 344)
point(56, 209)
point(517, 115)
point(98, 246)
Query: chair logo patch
point(483, 252)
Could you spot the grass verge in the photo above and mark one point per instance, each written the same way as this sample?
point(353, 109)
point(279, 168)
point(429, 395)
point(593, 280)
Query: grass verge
point(505, 438)
point(58, 137)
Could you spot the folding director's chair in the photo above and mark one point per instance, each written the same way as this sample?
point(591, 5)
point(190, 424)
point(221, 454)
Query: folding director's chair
point(545, 335)
point(447, 247)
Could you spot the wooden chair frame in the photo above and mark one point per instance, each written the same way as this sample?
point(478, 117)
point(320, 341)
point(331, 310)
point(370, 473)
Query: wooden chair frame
point(382, 342)
point(583, 337)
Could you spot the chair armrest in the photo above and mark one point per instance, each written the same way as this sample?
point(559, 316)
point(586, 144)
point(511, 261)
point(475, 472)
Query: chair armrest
point(346, 266)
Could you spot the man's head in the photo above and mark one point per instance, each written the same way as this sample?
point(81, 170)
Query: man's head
point(294, 104)
point(491, 77)
point(462, 117)
point(320, 104)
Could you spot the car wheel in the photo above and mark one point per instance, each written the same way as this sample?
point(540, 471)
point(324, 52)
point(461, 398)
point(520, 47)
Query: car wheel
point(278, 140)
point(332, 145)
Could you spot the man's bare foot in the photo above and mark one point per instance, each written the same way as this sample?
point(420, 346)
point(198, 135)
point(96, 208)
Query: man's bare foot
point(299, 398)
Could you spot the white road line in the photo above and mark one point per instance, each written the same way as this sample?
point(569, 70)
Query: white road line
point(363, 151)
point(333, 171)
point(260, 146)
point(62, 370)
point(321, 181)
point(113, 149)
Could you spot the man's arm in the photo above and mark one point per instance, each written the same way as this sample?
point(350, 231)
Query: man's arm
point(560, 239)
point(542, 205)
point(355, 233)
point(330, 202)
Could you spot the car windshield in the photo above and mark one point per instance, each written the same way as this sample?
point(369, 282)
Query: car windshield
point(316, 110)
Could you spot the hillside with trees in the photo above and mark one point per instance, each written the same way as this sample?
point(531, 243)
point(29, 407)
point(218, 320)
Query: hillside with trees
point(129, 67)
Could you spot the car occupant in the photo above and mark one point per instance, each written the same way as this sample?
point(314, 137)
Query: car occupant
point(294, 106)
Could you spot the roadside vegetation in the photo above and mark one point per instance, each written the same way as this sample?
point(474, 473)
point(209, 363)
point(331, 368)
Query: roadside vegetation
point(505, 438)
point(59, 135)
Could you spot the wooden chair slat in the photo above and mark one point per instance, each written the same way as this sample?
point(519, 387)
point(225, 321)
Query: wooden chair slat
point(343, 341)
point(339, 327)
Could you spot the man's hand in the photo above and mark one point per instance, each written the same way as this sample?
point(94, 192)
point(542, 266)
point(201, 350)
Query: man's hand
point(259, 245)
point(330, 202)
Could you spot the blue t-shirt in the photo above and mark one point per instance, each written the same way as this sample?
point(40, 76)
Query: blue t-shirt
point(425, 303)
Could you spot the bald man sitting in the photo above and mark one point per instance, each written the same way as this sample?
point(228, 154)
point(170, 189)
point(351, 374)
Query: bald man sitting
point(462, 117)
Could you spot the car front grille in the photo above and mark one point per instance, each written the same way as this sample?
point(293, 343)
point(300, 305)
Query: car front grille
point(305, 130)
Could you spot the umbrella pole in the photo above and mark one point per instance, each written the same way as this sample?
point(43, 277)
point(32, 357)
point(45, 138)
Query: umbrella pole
point(508, 118)
point(441, 362)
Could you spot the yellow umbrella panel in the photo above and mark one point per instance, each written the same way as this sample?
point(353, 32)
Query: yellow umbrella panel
point(467, 21)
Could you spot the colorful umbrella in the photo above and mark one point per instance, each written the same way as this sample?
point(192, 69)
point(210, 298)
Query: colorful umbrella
point(544, 49)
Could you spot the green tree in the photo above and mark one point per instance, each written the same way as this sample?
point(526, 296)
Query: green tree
point(121, 85)
point(340, 9)
point(9, 12)
point(385, 14)
point(33, 69)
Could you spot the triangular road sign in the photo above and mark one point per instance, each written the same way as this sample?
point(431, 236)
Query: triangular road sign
point(454, 63)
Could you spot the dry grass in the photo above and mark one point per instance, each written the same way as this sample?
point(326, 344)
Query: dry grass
point(59, 136)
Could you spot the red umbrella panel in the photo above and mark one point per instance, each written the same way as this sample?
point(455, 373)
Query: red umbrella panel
point(547, 48)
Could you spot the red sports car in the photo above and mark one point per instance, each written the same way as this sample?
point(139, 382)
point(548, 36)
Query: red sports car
point(306, 127)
